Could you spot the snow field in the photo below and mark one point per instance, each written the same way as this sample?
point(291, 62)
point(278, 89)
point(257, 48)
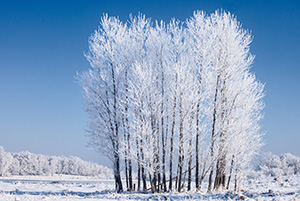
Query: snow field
point(79, 188)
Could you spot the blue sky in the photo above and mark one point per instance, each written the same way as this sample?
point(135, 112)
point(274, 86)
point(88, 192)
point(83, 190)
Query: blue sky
point(42, 45)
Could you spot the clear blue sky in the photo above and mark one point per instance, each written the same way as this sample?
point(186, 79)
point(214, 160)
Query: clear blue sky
point(42, 45)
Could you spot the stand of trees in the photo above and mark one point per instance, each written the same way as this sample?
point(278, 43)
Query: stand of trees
point(175, 101)
point(278, 166)
point(26, 163)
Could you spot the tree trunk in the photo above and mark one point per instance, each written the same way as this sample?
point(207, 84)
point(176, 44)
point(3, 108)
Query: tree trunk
point(144, 178)
point(125, 154)
point(235, 182)
point(126, 165)
point(137, 153)
point(177, 173)
point(151, 183)
point(142, 164)
point(213, 135)
point(128, 134)
point(230, 172)
point(218, 176)
point(190, 173)
point(139, 167)
point(154, 136)
point(220, 169)
point(198, 129)
point(119, 186)
point(221, 160)
point(181, 150)
point(118, 181)
point(129, 161)
point(162, 135)
point(166, 143)
point(190, 153)
point(172, 135)
point(197, 145)
point(184, 177)
point(158, 160)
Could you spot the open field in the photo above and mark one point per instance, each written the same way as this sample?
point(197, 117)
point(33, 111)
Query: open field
point(66, 187)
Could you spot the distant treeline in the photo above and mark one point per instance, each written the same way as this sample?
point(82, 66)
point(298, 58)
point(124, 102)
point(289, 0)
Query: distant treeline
point(26, 163)
point(276, 166)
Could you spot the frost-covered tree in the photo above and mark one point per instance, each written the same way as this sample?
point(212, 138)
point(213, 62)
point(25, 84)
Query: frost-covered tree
point(269, 164)
point(5, 162)
point(102, 87)
point(174, 99)
point(231, 64)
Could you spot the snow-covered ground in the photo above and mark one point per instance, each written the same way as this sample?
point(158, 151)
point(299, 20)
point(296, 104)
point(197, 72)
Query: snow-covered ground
point(66, 187)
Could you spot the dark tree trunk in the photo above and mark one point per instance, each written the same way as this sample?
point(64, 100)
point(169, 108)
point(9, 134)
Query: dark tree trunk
point(164, 164)
point(139, 169)
point(220, 172)
point(138, 157)
point(213, 135)
point(189, 174)
point(144, 179)
point(190, 170)
point(125, 154)
point(172, 136)
point(197, 146)
point(198, 129)
point(128, 135)
point(181, 150)
point(200, 182)
point(235, 181)
point(151, 184)
point(129, 162)
point(158, 160)
point(153, 181)
point(126, 166)
point(142, 164)
point(230, 172)
point(162, 135)
point(166, 142)
point(218, 176)
point(190, 153)
point(221, 160)
point(119, 186)
point(210, 178)
point(118, 181)
point(177, 173)
point(184, 178)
